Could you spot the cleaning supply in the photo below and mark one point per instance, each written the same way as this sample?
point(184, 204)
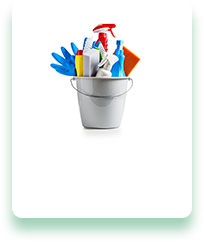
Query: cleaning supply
point(102, 36)
point(130, 61)
point(91, 59)
point(93, 45)
point(119, 46)
point(107, 62)
point(99, 53)
point(100, 46)
point(88, 44)
point(67, 66)
point(118, 68)
point(101, 100)
point(85, 39)
point(74, 48)
point(79, 62)
point(67, 55)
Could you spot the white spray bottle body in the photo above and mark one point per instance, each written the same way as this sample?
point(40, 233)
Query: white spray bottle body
point(108, 61)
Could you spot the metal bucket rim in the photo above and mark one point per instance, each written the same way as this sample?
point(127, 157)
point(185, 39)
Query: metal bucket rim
point(99, 78)
point(103, 77)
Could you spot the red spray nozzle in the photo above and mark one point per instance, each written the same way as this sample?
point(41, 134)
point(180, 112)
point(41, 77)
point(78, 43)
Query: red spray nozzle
point(102, 28)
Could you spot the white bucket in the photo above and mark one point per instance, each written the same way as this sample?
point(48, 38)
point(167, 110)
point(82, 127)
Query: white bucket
point(101, 100)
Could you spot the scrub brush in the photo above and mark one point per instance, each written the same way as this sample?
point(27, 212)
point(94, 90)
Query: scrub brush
point(88, 44)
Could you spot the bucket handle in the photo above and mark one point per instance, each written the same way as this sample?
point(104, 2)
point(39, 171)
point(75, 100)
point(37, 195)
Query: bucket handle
point(110, 96)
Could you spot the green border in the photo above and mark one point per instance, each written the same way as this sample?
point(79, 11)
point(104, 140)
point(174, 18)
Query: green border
point(15, 229)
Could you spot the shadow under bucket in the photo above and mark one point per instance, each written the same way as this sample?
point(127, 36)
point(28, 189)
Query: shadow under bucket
point(101, 100)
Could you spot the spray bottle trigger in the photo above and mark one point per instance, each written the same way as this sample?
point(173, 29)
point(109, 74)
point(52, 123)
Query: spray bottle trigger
point(111, 32)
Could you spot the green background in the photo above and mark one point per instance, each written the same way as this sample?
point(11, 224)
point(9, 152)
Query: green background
point(16, 229)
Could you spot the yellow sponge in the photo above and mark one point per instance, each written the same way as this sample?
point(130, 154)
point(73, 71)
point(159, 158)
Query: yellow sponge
point(130, 61)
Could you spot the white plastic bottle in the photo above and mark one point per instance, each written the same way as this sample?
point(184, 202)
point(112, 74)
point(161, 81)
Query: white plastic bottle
point(108, 61)
point(90, 62)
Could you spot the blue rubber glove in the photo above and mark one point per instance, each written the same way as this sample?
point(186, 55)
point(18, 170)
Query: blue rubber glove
point(74, 48)
point(67, 66)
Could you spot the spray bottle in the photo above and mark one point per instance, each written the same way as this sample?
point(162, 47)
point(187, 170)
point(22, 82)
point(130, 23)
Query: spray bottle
point(102, 36)
point(108, 61)
point(118, 68)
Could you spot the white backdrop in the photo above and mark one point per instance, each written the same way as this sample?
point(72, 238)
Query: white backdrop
point(141, 170)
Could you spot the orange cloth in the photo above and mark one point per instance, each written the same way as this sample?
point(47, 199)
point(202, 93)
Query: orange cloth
point(130, 61)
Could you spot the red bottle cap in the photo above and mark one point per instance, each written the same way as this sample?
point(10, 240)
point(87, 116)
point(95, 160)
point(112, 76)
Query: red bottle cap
point(79, 52)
